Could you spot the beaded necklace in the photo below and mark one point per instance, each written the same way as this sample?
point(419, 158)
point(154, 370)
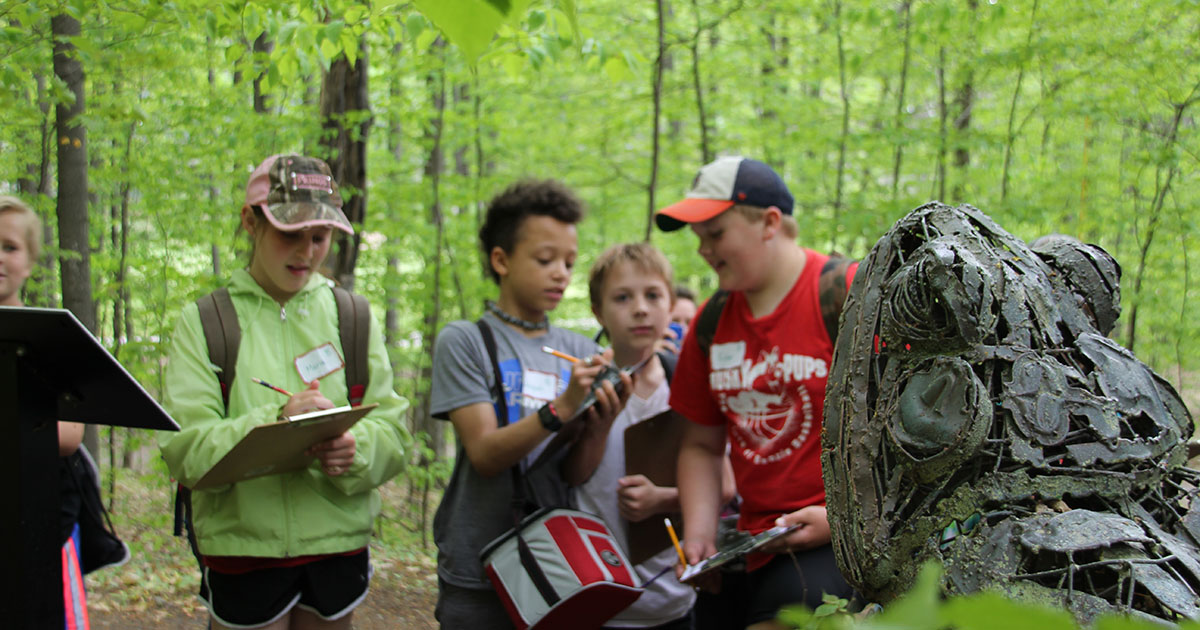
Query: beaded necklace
point(516, 321)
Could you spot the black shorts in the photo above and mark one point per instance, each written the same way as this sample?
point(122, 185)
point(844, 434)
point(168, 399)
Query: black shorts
point(329, 588)
point(802, 577)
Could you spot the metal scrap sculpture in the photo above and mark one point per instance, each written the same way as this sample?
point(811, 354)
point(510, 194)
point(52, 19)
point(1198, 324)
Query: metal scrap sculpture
point(977, 415)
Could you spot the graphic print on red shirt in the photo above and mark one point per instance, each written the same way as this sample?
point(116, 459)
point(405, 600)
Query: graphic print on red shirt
point(773, 412)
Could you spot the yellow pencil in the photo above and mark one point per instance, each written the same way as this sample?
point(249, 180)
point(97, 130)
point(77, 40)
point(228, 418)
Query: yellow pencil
point(561, 355)
point(675, 541)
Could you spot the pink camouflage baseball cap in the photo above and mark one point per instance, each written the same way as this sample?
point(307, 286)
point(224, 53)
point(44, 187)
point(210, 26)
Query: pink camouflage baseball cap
point(296, 192)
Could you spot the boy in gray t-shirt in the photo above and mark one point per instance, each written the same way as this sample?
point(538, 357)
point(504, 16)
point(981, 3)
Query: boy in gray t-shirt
point(529, 244)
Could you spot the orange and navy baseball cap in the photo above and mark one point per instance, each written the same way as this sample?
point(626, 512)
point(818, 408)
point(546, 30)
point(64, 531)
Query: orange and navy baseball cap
point(722, 184)
point(297, 192)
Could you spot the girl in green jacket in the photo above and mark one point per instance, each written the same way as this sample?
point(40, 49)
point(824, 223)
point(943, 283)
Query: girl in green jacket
point(286, 550)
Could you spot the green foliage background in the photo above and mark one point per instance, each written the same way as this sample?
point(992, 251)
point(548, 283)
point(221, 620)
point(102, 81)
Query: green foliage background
point(1091, 104)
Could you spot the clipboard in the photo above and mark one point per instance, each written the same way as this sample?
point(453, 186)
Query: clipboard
point(749, 545)
point(271, 449)
point(651, 449)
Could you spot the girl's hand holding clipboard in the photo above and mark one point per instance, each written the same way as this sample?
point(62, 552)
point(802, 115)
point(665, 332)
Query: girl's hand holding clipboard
point(336, 454)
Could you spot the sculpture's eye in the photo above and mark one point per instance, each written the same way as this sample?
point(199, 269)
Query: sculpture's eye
point(940, 416)
point(934, 303)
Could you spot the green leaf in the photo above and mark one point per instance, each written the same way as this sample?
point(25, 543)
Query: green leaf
point(234, 52)
point(468, 24)
point(252, 22)
point(425, 40)
point(415, 25)
point(354, 14)
point(330, 50)
point(1125, 622)
point(917, 609)
point(992, 611)
point(572, 12)
point(824, 610)
point(536, 19)
point(616, 69)
point(350, 46)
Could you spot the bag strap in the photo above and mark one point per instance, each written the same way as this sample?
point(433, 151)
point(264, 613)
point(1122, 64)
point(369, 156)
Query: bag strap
point(489, 342)
point(709, 317)
point(528, 561)
point(833, 286)
point(668, 361)
point(354, 327)
point(223, 334)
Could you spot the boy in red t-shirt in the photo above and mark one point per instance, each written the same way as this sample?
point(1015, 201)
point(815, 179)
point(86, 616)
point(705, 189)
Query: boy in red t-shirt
point(761, 387)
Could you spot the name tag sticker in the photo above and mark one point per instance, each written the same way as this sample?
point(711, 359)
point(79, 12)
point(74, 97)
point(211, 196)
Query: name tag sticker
point(727, 355)
point(318, 362)
point(541, 386)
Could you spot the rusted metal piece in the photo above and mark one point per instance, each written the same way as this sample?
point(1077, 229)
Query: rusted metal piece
point(977, 415)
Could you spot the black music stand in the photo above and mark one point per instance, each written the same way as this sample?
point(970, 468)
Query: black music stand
point(51, 368)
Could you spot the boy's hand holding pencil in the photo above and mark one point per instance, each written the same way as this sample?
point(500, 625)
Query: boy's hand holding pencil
point(584, 373)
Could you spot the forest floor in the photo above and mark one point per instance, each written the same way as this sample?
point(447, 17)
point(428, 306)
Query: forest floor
point(156, 588)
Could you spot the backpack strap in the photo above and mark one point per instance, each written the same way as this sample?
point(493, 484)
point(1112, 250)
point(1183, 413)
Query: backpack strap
point(223, 335)
point(668, 361)
point(709, 317)
point(354, 327)
point(833, 286)
point(489, 342)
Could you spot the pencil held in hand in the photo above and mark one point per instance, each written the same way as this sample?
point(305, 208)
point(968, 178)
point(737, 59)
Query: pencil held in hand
point(270, 386)
point(675, 541)
point(561, 355)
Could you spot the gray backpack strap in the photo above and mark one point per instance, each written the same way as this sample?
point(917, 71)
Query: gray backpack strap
point(354, 327)
point(223, 334)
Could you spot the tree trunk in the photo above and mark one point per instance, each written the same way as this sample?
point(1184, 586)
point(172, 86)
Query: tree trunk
point(898, 158)
point(433, 170)
point(1010, 138)
point(346, 118)
point(939, 179)
point(262, 48)
point(214, 251)
point(706, 153)
point(656, 85)
point(73, 226)
point(36, 183)
point(844, 92)
point(1161, 188)
point(964, 101)
point(395, 136)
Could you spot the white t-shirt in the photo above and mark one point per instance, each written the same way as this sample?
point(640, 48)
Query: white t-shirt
point(665, 600)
